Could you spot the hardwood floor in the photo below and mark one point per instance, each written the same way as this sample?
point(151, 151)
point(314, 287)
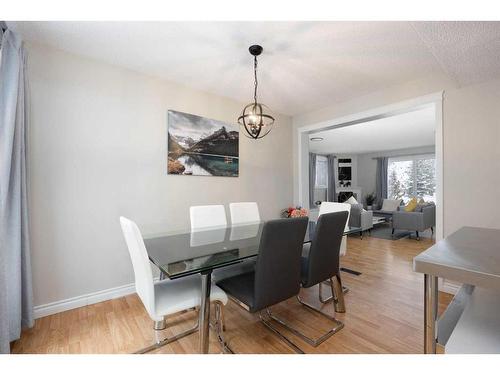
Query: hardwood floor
point(384, 315)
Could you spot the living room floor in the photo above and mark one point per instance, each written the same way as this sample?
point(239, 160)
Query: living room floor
point(384, 314)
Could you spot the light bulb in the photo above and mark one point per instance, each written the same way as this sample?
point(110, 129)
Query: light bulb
point(252, 119)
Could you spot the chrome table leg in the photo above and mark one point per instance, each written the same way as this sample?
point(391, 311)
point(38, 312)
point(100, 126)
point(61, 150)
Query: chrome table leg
point(204, 317)
point(430, 313)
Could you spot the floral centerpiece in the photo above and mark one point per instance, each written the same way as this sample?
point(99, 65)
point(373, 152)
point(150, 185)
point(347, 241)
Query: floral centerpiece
point(294, 212)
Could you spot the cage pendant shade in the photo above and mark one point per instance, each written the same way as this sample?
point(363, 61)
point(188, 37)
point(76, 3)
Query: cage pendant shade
point(254, 119)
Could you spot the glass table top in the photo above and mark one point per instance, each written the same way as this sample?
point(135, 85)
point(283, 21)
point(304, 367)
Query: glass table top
point(187, 252)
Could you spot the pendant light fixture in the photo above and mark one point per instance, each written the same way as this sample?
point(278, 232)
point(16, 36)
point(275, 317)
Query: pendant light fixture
point(254, 119)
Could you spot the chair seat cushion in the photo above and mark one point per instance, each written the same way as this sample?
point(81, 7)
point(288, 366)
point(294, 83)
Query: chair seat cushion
point(172, 296)
point(241, 287)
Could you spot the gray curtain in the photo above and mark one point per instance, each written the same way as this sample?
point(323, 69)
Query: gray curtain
point(332, 193)
point(381, 181)
point(312, 178)
point(16, 297)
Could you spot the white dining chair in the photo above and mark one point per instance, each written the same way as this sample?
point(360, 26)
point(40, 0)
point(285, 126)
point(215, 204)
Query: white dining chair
point(242, 232)
point(244, 213)
point(166, 297)
point(207, 217)
point(202, 237)
point(245, 220)
point(327, 207)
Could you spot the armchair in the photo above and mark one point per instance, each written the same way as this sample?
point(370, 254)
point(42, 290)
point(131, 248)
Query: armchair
point(417, 221)
point(360, 217)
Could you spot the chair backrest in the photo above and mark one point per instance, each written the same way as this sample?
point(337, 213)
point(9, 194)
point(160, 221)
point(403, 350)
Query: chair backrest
point(277, 271)
point(206, 237)
point(206, 217)
point(327, 207)
point(241, 232)
point(140, 262)
point(244, 212)
point(323, 259)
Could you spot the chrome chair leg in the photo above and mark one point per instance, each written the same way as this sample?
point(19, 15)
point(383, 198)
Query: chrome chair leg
point(168, 340)
point(222, 316)
point(338, 293)
point(339, 306)
point(219, 327)
point(160, 325)
point(321, 299)
point(313, 342)
point(267, 323)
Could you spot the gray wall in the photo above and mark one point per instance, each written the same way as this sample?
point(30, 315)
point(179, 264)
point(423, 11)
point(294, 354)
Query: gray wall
point(367, 166)
point(98, 151)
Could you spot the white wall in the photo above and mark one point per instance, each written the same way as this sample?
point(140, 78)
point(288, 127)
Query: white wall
point(364, 103)
point(367, 166)
point(471, 165)
point(472, 156)
point(98, 151)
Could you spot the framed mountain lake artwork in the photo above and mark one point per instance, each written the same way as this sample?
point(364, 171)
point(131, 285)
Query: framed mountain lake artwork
point(198, 146)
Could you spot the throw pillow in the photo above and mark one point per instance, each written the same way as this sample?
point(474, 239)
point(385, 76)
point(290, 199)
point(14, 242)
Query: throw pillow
point(391, 204)
point(351, 200)
point(412, 204)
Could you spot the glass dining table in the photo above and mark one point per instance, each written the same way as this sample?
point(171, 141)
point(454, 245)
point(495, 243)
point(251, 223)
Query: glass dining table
point(186, 252)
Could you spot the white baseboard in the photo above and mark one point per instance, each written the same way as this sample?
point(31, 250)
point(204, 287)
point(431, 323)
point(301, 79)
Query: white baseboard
point(83, 300)
point(40, 311)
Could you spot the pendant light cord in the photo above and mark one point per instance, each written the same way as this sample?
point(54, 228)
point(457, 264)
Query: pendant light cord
point(255, 79)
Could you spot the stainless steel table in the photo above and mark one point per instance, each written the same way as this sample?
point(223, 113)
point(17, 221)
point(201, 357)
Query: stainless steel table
point(470, 256)
point(183, 253)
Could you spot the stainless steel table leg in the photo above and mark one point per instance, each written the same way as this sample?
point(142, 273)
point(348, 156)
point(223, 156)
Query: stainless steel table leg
point(430, 313)
point(204, 317)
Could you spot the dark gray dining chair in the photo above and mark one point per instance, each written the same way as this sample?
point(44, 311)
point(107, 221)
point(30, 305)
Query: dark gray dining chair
point(320, 263)
point(277, 271)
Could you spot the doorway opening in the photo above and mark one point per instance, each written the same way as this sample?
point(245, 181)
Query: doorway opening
point(406, 136)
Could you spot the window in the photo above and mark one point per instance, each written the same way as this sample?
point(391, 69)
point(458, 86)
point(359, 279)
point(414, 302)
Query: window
point(321, 171)
point(413, 176)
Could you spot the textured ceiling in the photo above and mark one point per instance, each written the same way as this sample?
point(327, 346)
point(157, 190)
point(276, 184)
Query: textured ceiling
point(412, 129)
point(305, 65)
